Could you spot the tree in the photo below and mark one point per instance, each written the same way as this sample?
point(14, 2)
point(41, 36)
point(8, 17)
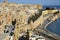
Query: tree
point(35, 17)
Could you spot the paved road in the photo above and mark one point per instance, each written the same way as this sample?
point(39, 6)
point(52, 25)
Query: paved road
point(45, 32)
point(2, 36)
point(10, 27)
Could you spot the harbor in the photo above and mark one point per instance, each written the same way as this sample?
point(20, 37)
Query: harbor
point(28, 22)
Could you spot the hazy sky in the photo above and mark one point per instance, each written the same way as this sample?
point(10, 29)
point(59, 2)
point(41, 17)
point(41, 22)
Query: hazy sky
point(43, 2)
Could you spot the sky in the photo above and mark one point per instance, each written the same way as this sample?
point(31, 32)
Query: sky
point(42, 2)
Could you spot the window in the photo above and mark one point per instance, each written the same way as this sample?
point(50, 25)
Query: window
point(18, 10)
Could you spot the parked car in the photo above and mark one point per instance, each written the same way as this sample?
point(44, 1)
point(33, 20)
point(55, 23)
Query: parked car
point(11, 34)
point(6, 31)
